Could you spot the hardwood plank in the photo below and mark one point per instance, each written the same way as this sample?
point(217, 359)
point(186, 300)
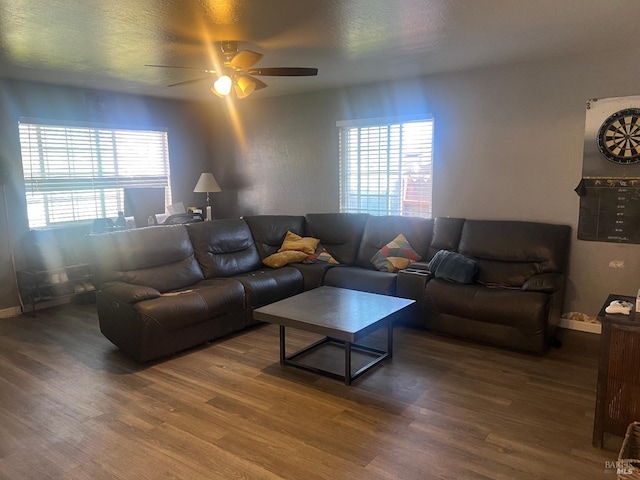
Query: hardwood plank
point(73, 407)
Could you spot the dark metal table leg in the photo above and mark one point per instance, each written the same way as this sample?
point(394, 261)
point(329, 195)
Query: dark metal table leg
point(347, 363)
point(282, 345)
point(348, 375)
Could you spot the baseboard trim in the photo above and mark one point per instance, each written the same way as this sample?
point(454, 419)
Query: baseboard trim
point(580, 326)
point(10, 312)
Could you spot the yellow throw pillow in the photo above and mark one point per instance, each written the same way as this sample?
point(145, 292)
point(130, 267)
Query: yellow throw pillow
point(280, 259)
point(292, 241)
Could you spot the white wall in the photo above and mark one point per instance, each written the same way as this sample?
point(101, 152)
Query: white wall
point(508, 145)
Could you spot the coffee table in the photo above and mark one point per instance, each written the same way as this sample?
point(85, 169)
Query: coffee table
point(343, 316)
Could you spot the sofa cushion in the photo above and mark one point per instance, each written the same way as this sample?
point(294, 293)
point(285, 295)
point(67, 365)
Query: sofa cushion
point(501, 316)
point(158, 257)
point(356, 278)
point(339, 233)
point(510, 252)
point(281, 259)
point(380, 230)
point(294, 242)
point(453, 267)
point(395, 255)
point(313, 273)
point(224, 248)
point(267, 286)
point(182, 308)
point(446, 235)
point(269, 231)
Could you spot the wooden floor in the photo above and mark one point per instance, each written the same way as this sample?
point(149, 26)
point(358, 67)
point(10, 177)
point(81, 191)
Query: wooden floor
point(72, 407)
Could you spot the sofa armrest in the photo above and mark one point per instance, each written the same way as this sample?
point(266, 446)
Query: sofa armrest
point(419, 266)
point(129, 293)
point(544, 282)
point(411, 283)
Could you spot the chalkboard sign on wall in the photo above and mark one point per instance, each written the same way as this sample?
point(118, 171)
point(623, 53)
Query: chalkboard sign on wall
point(610, 210)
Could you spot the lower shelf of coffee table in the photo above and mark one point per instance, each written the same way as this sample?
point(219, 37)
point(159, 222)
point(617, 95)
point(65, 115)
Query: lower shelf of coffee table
point(334, 358)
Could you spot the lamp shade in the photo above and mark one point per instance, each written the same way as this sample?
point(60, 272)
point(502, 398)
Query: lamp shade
point(207, 183)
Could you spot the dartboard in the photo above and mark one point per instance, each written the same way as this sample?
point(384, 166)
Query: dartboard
point(619, 137)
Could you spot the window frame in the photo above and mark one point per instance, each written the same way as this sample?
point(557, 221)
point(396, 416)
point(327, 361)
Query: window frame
point(389, 171)
point(101, 163)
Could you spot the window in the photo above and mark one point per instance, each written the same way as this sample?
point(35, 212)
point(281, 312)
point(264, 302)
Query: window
point(75, 173)
point(386, 167)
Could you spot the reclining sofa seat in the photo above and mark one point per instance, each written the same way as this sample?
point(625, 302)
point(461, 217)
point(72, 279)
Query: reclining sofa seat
point(269, 231)
point(377, 231)
point(516, 299)
point(167, 288)
point(153, 300)
point(226, 249)
point(338, 233)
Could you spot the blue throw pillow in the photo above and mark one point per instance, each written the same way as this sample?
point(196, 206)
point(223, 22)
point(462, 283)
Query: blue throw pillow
point(453, 267)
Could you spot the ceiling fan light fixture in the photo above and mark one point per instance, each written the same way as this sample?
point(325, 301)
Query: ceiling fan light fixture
point(235, 76)
point(244, 87)
point(222, 85)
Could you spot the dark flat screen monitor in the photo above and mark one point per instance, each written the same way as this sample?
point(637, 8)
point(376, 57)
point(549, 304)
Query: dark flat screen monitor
point(141, 202)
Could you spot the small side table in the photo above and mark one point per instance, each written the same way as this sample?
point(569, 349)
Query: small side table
point(618, 396)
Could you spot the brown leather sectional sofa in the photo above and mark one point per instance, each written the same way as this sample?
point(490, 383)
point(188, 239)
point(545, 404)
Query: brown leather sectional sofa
point(168, 288)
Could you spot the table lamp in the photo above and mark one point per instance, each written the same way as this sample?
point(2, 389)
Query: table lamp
point(207, 183)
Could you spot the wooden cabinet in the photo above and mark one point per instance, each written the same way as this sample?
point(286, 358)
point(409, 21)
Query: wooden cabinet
point(618, 396)
point(39, 286)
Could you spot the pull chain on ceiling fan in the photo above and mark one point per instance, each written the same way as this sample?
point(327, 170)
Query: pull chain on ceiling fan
point(236, 74)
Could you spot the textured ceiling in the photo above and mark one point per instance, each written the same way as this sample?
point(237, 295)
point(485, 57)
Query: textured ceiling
point(104, 44)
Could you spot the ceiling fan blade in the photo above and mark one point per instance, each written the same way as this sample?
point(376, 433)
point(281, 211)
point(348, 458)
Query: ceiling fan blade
point(178, 66)
point(244, 59)
point(200, 79)
point(284, 71)
point(259, 83)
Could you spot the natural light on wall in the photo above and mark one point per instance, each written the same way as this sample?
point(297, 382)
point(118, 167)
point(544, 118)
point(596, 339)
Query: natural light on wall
point(386, 167)
point(77, 173)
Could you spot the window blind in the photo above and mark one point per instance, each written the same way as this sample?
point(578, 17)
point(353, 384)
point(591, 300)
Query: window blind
point(386, 167)
point(75, 173)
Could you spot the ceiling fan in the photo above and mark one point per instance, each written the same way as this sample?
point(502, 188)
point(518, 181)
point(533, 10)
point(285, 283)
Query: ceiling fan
point(236, 75)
